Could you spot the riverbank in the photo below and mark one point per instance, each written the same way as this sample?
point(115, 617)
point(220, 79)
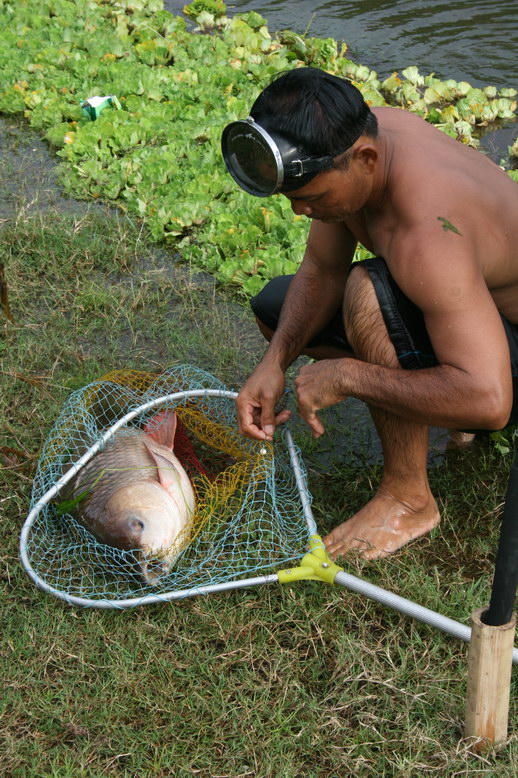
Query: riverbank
point(158, 157)
point(468, 41)
point(325, 682)
point(300, 680)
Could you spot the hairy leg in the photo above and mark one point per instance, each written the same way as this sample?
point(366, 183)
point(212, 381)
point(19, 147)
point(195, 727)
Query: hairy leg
point(403, 507)
point(319, 352)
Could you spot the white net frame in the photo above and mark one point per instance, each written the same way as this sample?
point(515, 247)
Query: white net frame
point(287, 500)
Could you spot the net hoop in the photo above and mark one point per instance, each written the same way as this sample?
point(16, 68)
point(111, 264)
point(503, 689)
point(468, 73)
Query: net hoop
point(72, 599)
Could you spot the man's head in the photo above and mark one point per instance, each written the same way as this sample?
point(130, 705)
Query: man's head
point(302, 123)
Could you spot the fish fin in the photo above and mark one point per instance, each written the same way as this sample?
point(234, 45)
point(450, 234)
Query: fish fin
point(168, 474)
point(162, 428)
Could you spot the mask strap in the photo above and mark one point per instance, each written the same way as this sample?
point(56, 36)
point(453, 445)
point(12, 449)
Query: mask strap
point(300, 167)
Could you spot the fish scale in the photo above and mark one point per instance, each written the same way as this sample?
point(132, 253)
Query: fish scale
point(123, 461)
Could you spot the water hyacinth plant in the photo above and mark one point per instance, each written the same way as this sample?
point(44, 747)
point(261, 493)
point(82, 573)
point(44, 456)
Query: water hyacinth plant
point(159, 157)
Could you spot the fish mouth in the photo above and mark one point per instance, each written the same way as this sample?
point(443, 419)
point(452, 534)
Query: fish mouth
point(155, 564)
point(154, 569)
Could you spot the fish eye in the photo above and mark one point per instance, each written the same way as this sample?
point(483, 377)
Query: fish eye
point(136, 524)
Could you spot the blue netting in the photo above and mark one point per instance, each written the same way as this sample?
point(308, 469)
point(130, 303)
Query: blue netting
point(248, 517)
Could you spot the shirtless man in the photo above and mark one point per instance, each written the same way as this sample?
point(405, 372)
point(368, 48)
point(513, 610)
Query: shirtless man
point(425, 335)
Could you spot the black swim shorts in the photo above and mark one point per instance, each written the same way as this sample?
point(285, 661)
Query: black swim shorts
point(404, 322)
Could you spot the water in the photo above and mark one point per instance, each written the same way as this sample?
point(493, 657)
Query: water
point(470, 40)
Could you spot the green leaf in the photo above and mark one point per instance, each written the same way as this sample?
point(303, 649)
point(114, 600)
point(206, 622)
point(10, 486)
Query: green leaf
point(412, 74)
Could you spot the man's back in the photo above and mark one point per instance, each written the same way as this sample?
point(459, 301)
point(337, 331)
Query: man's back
point(434, 180)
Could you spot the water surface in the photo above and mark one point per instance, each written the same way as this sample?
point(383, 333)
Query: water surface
point(469, 40)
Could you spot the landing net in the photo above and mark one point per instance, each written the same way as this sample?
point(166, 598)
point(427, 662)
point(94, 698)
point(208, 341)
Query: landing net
point(250, 511)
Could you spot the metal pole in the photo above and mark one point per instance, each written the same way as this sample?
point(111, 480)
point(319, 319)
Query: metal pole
point(387, 598)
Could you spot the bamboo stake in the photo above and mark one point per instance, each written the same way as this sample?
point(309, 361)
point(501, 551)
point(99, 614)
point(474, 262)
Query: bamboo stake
point(489, 679)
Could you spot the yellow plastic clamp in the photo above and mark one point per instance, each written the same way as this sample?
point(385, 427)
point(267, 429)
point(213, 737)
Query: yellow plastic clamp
point(316, 565)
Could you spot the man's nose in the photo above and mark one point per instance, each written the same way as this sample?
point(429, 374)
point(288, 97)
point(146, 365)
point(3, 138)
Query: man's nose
point(301, 208)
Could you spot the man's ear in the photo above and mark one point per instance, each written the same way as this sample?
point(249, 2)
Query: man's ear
point(367, 154)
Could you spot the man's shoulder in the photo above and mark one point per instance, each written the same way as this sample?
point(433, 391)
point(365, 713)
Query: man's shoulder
point(389, 117)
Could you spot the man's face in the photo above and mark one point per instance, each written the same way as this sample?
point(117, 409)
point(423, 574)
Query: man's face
point(332, 195)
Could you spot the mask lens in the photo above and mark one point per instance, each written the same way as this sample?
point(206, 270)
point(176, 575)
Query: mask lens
point(251, 160)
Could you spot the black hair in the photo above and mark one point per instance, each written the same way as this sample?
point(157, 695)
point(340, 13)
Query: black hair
point(324, 114)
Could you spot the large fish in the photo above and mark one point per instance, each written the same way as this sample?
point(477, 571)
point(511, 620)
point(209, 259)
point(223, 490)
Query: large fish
point(135, 495)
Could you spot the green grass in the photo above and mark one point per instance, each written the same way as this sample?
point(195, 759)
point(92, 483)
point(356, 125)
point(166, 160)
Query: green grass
point(301, 681)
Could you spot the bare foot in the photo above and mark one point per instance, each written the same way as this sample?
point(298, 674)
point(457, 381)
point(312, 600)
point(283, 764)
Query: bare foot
point(383, 526)
point(459, 439)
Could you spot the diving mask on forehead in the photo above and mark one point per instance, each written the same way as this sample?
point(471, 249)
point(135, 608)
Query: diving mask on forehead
point(263, 163)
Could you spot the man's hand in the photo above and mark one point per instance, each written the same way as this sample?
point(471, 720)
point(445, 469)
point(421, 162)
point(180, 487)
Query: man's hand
point(317, 387)
point(256, 403)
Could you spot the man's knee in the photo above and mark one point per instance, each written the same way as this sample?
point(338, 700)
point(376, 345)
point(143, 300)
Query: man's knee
point(265, 331)
point(364, 324)
point(267, 304)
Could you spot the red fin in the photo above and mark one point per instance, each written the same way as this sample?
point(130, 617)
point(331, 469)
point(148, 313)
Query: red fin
point(162, 428)
point(158, 428)
point(167, 473)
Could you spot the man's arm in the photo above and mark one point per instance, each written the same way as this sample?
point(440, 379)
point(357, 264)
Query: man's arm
point(315, 293)
point(471, 387)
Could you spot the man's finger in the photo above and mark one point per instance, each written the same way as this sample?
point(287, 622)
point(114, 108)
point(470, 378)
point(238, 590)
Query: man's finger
point(253, 431)
point(282, 417)
point(248, 420)
point(315, 424)
point(268, 425)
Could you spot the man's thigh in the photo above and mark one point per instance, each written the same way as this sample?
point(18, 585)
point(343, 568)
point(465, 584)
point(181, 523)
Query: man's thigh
point(267, 307)
point(404, 321)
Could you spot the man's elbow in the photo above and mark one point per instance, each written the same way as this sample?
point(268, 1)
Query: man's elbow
point(494, 409)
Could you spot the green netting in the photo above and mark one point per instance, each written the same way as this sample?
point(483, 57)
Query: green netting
point(248, 518)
